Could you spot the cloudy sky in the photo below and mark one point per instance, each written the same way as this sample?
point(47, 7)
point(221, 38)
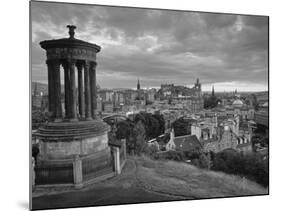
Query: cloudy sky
point(159, 46)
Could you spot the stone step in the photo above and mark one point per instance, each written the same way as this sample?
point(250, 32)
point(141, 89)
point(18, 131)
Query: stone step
point(75, 128)
point(75, 125)
point(71, 130)
point(66, 132)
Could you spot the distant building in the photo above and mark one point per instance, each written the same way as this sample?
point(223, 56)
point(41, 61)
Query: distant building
point(99, 104)
point(151, 95)
point(187, 143)
point(262, 97)
point(189, 99)
point(108, 107)
point(244, 145)
point(261, 116)
point(37, 101)
point(106, 95)
point(219, 133)
point(228, 139)
point(245, 112)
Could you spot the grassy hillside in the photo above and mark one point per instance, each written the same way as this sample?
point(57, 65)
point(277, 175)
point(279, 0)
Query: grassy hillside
point(146, 180)
point(186, 180)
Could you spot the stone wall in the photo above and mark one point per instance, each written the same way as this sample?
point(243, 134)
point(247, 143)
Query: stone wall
point(53, 150)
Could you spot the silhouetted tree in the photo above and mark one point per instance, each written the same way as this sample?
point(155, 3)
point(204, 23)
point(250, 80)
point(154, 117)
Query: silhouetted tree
point(211, 102)
point(182, 126)
point(252, 166)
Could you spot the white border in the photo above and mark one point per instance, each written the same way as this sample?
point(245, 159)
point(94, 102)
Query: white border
point(14, 88)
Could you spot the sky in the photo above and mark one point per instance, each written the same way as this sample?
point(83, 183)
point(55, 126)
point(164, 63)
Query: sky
point(159, 46)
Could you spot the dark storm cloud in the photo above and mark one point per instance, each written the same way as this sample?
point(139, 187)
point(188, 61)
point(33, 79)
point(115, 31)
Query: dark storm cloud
point(158, 45)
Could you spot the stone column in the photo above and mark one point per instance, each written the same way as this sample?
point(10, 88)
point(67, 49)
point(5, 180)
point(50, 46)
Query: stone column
point(57, 90)
point(51, 98)
point(93, 89)
point(116, 154)
point(81, 99)
point(66, 88)
point(124, 148)
point(33, 172)
point(77, 172)
point(72, 90)
point(88, 113)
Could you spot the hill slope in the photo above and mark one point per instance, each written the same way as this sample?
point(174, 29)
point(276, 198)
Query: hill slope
point(146, 180)
point(189, 181)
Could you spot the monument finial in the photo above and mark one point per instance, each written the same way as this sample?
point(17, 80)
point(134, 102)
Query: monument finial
point(71, 31)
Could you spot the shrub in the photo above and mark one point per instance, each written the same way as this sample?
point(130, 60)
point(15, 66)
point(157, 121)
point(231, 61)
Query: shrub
point(252, 166)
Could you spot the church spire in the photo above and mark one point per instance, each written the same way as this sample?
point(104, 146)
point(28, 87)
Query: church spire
point(138, 85)
point(213, 91)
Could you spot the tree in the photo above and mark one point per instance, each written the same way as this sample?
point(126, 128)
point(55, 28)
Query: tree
point(125, 130)
point(161, 122)
point(148, 102)
point(139, 135)
point(38, 118)
point(144, 126)
point(170, 101)
point(154, 124)
point(35, 151)
point(182, 126)
point(252, 166)
point(211, 102)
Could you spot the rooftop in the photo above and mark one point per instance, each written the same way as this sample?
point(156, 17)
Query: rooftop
point(187, 143)
point(237, 103)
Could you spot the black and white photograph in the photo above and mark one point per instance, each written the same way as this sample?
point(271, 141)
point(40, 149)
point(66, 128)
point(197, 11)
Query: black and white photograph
point(134, 105)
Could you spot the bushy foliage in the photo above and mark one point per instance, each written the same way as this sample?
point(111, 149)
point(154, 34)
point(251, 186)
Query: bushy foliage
point(126, 130)
point(197, 158)
point(260, 136)
point(38, 118)
point(144, 126)
point(35, 150)
point(170, 155)
point(252, 166)
point(182, 126)
point(139, 136)
point(154, 124)
point(211, 102)
point(150, 151)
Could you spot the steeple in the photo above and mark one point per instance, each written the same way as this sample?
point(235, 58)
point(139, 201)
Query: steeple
point(138, 85)
point(197, 85)
point(213, 91)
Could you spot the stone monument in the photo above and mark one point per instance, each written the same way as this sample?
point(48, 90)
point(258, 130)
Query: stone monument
point(73, 145)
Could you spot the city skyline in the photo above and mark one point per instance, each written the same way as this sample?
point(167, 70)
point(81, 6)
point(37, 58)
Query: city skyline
point(160, 46)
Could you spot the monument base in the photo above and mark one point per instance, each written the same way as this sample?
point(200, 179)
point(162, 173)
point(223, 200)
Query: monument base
point(73, 153)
